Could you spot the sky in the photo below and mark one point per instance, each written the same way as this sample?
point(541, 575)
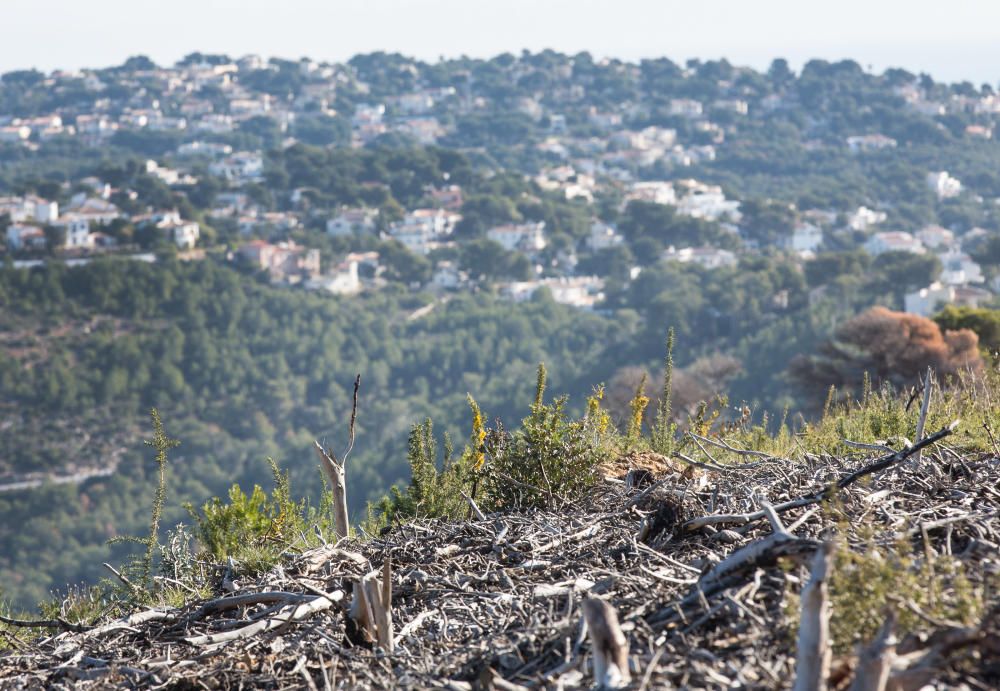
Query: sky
point(952, 41)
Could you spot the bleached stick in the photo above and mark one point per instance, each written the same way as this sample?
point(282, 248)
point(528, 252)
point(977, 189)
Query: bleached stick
point(609, 644)
point(875, 660)
point(812, 667)
point(924, 407)
point(285, 616)
point(335, 471)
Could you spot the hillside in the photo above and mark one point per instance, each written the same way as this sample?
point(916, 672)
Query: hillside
point(231, 240)
point(703, 556)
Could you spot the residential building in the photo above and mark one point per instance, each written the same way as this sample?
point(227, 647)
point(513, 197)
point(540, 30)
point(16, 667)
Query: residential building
point(863, 218)
point(77, 231)
point(343, 279)
point(656, 192)
point(603, 120)
point(183, 233)
point(603, 236)
point(805, 237)
point(685, 107)
point(706, 257)
point(732, 105)
point(25, 237)
point(958, 269)
point(524, 237)
point(365, 114)
point(928, 301)
point(14, 133)
point(422, 229)
point(869, 142)
point(243, 166)
point(447, 276)
point(935, 237)
point(285, 262)
point(352, 221)
point(206, 149)
point(96, 210)
point(584, 292)
point(707, 201)
point(29, 208)
point(894, 241)
point(943, 185)
point(447, 197)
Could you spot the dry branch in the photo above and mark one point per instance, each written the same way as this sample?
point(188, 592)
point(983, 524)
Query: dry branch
point(812, 669)
point(875, 660)
point(609, 644)
point(335, 470)
point(826, 492)
point(285, 616)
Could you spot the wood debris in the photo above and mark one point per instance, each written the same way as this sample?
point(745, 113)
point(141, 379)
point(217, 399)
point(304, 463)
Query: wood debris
point(499, 602)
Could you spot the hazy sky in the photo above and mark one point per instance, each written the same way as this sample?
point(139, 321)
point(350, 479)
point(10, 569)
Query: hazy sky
point(953, 40)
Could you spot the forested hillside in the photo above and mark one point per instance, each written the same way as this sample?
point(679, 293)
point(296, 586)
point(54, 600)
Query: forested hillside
point(260, 231)
point(240, 371)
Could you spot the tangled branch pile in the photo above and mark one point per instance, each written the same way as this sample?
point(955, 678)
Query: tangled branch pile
point(703, 563)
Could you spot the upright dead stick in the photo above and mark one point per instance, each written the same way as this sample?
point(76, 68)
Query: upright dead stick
point(335, 471)
point(875, 660)
point(373, 604)
point(609, 643)
point(924, 407)
point(812, 668)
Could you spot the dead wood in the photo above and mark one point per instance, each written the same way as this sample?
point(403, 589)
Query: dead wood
point(496, 602)
point(812, 668)
point(336, 470)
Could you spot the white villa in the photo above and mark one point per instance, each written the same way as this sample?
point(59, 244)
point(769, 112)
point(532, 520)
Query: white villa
point(805, 237)
point(943, 185)
point(934, 237)
point(603, 236)
point(526, 237)
point(21, 237)
point(893, 241)
point(706, 257)
point(352, 222)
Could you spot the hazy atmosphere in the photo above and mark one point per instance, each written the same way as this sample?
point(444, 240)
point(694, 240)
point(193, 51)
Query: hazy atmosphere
point(953, 41)
point(499, 344)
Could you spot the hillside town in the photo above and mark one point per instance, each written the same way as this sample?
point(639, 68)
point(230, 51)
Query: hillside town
point(599, 159)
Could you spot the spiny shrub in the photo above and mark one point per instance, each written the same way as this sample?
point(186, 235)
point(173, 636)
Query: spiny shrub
point(256, 528)
point(549, 460)
point(865, 582)
point(868, 578)
point(433, 492)
point(136, 580)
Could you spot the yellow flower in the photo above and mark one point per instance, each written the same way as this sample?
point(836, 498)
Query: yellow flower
point(478, 434)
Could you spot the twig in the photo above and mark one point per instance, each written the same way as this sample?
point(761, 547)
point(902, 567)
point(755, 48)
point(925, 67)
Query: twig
point(473, 506)
point(354, 417)
point(924, 407)
point(721, 443)
point(826, 493)
point(121, 577)
point(609, 644)
point(57, 623)
point(875, 660)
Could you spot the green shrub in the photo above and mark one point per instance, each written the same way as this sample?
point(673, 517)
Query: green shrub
point(549, 460)
point(255, 529)
point(433, 492)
